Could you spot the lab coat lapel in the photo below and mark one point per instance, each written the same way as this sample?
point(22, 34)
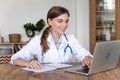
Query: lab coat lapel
point(53, 52)
point(63, 42)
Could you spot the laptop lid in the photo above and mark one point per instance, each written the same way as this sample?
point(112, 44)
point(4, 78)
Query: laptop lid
point(105, 57)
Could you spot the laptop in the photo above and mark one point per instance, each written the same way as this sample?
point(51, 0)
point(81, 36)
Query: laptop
point(105, 57)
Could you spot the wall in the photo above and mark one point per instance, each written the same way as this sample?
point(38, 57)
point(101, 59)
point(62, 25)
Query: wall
point(83, 22)
point(15, 13)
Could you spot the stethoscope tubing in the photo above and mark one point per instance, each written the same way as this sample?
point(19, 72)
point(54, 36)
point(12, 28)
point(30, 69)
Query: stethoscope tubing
point(68, 46)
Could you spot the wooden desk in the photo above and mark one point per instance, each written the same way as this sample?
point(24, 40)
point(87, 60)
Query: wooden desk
point(10, 72)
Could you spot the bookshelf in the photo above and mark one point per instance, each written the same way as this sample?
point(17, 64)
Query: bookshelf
point(104, 21)
point(7, 49)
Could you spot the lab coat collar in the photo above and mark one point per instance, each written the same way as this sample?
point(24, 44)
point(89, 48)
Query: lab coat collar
point(63, 41)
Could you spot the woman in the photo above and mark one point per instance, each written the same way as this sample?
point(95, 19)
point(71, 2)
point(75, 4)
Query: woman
point(53, 45)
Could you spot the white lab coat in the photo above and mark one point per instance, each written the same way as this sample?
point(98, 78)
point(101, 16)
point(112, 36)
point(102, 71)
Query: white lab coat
point(53, 54)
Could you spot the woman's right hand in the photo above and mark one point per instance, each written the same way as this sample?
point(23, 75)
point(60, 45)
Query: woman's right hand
point(34, 64)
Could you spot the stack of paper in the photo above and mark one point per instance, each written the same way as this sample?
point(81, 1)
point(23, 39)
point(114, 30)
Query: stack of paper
point(48, 67)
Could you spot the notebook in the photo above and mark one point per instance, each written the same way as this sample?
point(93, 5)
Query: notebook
point(105, 57)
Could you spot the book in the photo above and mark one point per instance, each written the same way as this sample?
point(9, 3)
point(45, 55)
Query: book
point(17, 47)
point(48, 67)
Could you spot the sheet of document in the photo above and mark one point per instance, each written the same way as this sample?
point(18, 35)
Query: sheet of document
point(48, 67)
point(43, 69)
point(58, 65)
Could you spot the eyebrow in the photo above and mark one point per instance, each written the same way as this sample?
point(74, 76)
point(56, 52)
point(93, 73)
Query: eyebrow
point(62, 19)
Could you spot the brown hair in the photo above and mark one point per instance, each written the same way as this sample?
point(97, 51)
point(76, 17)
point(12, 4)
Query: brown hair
point(52, 13)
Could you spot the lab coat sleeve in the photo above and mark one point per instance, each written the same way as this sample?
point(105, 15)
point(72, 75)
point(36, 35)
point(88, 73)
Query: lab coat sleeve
point(78, 50)
point(28, 51)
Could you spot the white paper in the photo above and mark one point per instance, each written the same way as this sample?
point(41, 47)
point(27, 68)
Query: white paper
point(48, 67)
point(58, 65)
point(43, 69)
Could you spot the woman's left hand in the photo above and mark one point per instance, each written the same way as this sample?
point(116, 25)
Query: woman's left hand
point(87, 61)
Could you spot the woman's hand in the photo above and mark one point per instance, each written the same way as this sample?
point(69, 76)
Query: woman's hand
point(87, 61)
point(34, 64)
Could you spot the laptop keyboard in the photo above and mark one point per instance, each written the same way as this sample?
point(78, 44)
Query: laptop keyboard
point(84, 70)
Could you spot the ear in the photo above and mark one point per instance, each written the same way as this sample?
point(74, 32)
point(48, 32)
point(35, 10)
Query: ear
point(49, 21)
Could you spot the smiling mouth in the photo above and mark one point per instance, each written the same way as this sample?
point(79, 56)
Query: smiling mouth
point(63, 30)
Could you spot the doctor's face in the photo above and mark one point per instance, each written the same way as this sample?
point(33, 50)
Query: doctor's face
point(59, 24)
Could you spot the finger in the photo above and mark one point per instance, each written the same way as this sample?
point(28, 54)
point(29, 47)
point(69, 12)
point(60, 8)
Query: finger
point(86, 61)
point(35, 65)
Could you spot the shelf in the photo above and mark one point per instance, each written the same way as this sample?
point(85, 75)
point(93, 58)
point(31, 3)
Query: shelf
point(7, 43)
point(104, 21)
point(4, 57)
point(104, 11)
point(102, 27)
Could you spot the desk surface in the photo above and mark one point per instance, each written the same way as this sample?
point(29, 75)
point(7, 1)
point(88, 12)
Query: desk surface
point(10, 72)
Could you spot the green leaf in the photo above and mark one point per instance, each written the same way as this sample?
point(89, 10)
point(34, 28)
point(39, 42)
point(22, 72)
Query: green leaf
point(40, 25)
point(29, 26)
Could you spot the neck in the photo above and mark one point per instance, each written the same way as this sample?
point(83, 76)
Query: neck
point(56, 37)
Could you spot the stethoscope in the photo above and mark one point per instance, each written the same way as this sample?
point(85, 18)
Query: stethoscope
point(68, 46)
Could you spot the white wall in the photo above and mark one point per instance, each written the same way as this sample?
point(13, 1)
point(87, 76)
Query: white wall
point(15, 13)
point(83, 22)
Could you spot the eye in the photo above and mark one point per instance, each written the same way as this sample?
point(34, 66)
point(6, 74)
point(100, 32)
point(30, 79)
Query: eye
point(67, 21)
point(60, 21)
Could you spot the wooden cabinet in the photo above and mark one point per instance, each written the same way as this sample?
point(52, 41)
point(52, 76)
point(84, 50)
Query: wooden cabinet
point(104, 21)
point(7, 49)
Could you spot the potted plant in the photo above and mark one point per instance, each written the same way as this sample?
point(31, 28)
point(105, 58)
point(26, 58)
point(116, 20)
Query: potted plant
point(40, 25)
point(30, 28)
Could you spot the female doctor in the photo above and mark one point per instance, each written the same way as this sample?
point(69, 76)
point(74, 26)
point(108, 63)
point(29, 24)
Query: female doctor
point(54, 45)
